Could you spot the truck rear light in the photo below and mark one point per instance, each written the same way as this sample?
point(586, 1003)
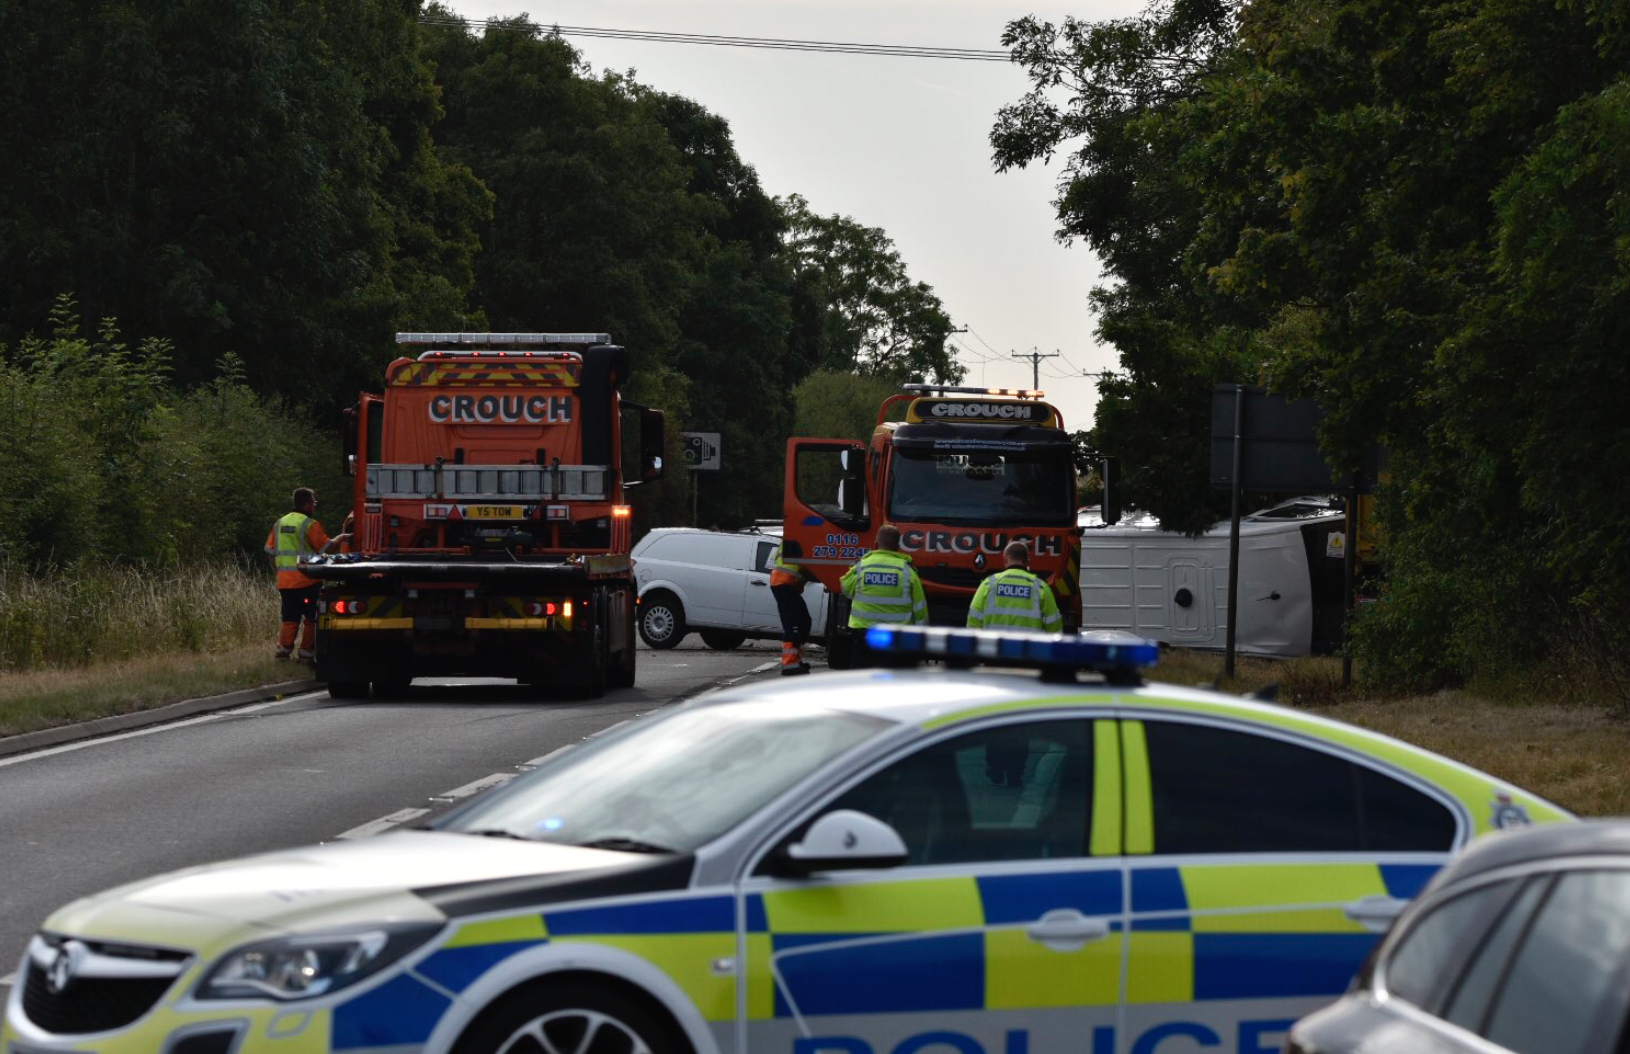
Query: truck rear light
point(559, 512)
point(622, 512)
point(566, 609)
point(350, 607)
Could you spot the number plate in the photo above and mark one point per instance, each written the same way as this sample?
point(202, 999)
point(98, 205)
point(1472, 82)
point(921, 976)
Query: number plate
point(494, 512)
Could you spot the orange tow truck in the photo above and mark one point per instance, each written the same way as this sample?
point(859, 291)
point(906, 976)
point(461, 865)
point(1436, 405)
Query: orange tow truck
point(491, 533)
point(965, 472)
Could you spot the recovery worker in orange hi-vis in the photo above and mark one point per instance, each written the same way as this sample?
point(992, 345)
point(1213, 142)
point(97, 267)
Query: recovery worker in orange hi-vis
point(787, 586)
point(296, 535)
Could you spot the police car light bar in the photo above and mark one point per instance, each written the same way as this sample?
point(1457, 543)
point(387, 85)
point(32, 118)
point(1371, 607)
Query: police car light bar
point(489, 339)
point(942, 389)
point(1114, 654)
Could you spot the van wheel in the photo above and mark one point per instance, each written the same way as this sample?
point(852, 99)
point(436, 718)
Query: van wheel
point(571, 1018)
point(662, 620)
point(722, 639)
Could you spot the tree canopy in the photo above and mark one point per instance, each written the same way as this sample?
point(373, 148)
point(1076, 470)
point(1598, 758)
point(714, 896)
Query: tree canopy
point(1410, 211)
point(283, 186)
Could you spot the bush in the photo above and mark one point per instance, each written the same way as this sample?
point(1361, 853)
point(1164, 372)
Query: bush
point(102, 460)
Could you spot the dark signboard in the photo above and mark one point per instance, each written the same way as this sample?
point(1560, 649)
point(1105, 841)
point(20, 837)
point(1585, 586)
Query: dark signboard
point(1279, 445)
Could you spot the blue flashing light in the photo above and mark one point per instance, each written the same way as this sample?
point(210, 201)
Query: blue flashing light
point(1092, 650)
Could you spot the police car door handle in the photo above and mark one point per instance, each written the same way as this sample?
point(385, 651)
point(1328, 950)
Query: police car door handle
point(1066, 930)
point(756, 582)
point(1375, 913)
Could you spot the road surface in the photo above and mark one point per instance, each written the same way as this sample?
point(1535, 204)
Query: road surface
point(86, 816)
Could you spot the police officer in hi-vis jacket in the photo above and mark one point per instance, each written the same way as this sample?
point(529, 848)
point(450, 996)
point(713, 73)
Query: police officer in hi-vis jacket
point(1014, 598)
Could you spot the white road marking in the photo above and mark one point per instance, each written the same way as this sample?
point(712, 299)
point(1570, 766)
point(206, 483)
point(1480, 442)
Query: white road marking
point(535, 762)
point(608, 728)
point(761, 667)
point(8, 980)
point(153, 730)
point(384, 823)
point(475, 787)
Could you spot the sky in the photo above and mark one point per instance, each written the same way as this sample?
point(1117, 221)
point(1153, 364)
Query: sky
point(896, 143)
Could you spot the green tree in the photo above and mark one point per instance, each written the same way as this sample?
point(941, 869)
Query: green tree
point(858, 309)
point(239, 176)
point(839, 405)
point(1408, 211)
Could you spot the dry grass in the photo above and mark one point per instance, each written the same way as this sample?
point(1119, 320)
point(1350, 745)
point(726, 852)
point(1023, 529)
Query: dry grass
point(47, 698)
point(1575, 754)
point(95, 614)
point(107, 640)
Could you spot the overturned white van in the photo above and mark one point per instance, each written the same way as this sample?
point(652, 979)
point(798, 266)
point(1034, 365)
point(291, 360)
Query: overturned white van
point(1173, 588)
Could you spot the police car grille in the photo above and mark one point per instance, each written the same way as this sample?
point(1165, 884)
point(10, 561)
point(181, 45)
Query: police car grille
point(959, 577)
point(90, 1004)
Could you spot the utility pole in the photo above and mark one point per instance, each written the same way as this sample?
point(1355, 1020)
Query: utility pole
point(1035, 358)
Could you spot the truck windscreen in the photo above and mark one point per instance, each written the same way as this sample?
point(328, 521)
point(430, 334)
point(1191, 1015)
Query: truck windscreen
point(1033, 488)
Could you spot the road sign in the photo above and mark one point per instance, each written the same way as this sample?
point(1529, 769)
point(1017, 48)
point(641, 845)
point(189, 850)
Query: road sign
point(701, 451)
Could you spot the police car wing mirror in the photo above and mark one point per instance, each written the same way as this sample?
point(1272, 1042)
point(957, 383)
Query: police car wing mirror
point(841, 840)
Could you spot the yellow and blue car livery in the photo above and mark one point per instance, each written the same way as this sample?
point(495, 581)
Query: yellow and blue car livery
point(1061, 872)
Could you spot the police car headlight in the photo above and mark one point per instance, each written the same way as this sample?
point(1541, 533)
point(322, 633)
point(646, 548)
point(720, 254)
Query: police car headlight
point(309, 966)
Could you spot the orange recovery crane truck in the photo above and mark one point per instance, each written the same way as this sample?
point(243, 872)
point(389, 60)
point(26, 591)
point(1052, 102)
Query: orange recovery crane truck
point(966, 471)
point(491, 535)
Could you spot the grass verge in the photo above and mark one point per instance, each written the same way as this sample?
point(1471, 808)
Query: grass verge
point(38, 699)
point(1574, 753)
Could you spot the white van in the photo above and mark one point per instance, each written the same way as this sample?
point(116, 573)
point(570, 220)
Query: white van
point(714, 582)
point(1173, 588)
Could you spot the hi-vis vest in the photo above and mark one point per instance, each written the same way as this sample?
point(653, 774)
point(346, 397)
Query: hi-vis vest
point(290, 534)
point(884, 589)
point(781, 565)
point(1014, 599)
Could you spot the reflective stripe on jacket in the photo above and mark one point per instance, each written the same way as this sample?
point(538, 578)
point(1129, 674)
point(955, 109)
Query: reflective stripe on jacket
point(884, 589)
point(1014, 599)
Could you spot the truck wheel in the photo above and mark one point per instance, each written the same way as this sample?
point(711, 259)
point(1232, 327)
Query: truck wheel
point(840, 649)
point(621, 674)
point(662, 620)
point(722, 639)
point(598, 661)
point(348, 689)
point(574, 1016)
point(395, 688)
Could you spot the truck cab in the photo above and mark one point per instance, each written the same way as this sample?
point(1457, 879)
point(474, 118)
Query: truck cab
point(962, 472)
point(492, 534)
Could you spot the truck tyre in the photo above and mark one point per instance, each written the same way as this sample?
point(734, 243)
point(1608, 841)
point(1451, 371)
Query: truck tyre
point(348, 689)
point(576, 1016)
point(662, 620)
point(723, 639)
point(395, 688)
point(622, 671)
point(595, 685)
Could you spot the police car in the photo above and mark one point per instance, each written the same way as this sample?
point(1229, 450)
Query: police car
point(946, 861)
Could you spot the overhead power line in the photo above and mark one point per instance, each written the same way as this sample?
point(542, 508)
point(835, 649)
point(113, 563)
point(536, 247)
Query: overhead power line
point(898, 51)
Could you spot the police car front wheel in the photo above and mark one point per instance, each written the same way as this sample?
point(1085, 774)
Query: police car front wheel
point(571, 1018)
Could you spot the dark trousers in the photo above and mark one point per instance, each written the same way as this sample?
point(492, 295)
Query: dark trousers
point(795, 623)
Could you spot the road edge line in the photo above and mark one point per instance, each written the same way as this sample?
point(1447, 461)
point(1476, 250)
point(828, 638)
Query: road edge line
point(25, 742)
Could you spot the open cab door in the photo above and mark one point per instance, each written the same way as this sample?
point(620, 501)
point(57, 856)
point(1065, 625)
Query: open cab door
point(829, 519)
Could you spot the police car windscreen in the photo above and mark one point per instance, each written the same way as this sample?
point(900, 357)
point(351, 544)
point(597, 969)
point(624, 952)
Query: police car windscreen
point(671, 782)
point(1034, 488)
